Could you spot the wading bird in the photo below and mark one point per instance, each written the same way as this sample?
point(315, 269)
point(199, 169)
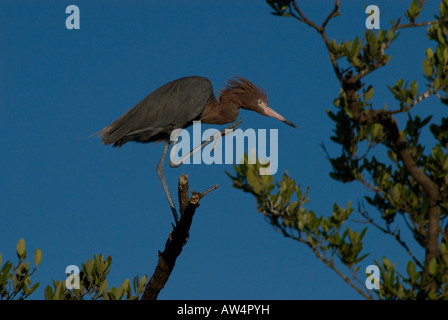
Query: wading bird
point(176, 105)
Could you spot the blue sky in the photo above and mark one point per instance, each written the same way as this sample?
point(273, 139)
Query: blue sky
point(73, 197)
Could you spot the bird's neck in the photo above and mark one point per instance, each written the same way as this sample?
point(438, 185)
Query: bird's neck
point(220, 112)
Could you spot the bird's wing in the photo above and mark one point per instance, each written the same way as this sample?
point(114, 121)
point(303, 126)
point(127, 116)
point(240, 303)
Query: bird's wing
point(173, 105)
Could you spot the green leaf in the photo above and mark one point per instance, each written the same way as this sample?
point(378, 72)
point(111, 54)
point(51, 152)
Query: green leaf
point(112, 293)
point(20, 248)
point(48, 293)
point(58, 291)
point(386, 263)
point(121, 290)
point(400, 292)
point(37, 257)
point(443, 248)
point(433, 266)
point(334, 45)
point(253, 180)
point(354, 46)
point(349, 112)
point(376, 131)
point(141, 285)
point(428, 68)
point(414, 5)
point(437, 83)
point(390, 35)
point(396, 192)
point(411, 269)
point(4, 274)
point(432, 295)
point(369, 93)
point(429, 53)
point(336, 102)
point(293, 207)
point(103, 288)
point(126, 284)
point(413, 89)
point(33, 288)
point(89, 266)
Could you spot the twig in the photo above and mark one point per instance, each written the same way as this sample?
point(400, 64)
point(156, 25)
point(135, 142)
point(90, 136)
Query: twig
point(332, 14)
point(416, 25)
point(321, 30)
point(413, 103)
point(322, 257)
point(304, 19)
point(395, 235)
point(201, 195)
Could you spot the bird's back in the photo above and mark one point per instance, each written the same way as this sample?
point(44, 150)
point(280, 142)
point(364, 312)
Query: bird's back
point(174, 105)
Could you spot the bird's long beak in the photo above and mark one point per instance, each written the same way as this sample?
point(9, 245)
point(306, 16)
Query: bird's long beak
point(271, 113)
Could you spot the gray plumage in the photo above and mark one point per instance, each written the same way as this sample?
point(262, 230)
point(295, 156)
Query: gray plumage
point(174, 105)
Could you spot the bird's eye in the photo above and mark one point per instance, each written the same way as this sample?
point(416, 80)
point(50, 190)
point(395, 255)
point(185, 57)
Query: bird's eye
point(260, 101)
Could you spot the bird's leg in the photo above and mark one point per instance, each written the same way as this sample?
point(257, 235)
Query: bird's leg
point(223, 132)
point(165, 186)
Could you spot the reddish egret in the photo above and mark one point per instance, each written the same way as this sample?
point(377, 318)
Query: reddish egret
point(176, 105)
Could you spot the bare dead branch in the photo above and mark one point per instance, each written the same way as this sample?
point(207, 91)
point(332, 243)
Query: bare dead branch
point(422, 24)
point(176, 239)
point(332, 14)
point(321, 30)
point(394, 234)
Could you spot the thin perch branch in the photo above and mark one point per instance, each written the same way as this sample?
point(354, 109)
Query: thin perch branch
point(176, 239)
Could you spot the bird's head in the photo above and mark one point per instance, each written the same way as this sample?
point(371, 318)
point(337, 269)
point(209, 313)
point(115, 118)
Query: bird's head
point(250, 97)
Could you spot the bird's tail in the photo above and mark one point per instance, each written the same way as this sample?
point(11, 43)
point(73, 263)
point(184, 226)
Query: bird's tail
point(96, 134)
point(116, 132)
